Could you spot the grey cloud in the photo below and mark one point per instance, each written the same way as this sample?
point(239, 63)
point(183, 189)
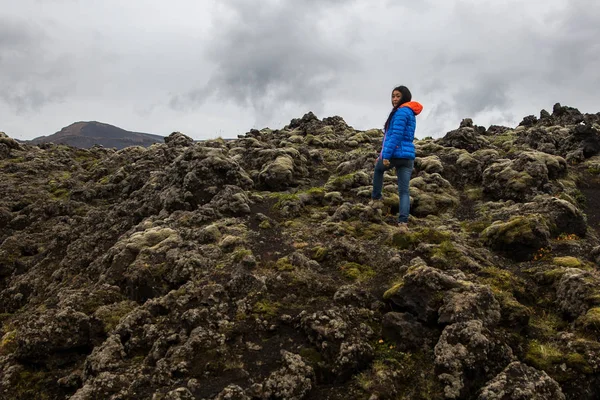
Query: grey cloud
point(485, 94)
point(271, 56)
point(574, 47)
point(29, 100)
point(28, 75)
point(18, 39)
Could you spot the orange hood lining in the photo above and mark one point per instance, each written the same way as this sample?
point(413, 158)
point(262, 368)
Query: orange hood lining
point(413, 105)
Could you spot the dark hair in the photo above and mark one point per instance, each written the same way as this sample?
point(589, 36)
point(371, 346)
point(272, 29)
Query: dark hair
point(406, 97)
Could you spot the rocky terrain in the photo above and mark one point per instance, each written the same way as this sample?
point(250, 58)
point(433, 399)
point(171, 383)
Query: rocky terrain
point(90, 134)
point(255, 268)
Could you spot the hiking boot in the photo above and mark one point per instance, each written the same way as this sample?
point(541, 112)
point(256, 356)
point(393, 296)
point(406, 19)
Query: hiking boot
point(403, 227)
point(376, 204)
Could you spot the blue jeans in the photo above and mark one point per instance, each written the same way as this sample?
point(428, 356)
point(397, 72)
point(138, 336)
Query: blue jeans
point(404, 169)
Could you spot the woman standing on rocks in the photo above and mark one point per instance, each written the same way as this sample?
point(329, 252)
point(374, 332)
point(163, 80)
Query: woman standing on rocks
point(398, 151)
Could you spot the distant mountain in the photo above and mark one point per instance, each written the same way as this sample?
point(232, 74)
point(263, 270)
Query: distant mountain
point(88, 134)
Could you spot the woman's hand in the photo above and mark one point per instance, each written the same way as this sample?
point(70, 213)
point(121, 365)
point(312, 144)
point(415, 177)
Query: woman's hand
point(386, 163)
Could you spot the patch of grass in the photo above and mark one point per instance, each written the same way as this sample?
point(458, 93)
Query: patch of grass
point(266, 307)
point(547, 324)
point(594, 170)
point(591, 320)
point(399, 375)
point(579, 197)
point(543, 355)
point(32, 385)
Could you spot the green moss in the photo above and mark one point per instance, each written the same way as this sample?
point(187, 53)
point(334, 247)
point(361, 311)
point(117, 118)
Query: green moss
point(393, 290)
point(65, 176)
point(33, 385)
point(266, 307)
point(357, 272)
point(60, 194)
point(591, 320)
point(579, 197)
point(474, 193)
point(502, 279)
point(553, 275)
point(579, 363)
point(370, 231)
point(447, 255)
point(339, 182)
point(104, 180)
point(17, 160)
point(8, 343)
point(5, 316)
point(111, 315)
point(504, 139)
point(284, 199)
point(594, 170)
point(315, 191)
point(411, 239)
point(265, 224)
point(399, 375)
point(475, 226)
point(567, 262)
point(138, 359)
point(311, 355)
point(239, 254)
point(319, 253)
point(284, 264)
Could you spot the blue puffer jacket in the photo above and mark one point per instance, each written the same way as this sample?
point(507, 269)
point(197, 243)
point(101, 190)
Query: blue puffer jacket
point(398, 139)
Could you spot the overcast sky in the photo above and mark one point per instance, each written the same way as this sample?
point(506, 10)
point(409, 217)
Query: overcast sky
point(220, 68)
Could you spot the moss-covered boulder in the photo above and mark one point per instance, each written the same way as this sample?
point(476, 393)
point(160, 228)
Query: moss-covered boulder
point(519, 237)
point(522, 178)
point(520, 381)
point(577, 291)
point(435, 297)
point(462, 351)
point(278, 174)
point(431, 195)
point(430, 164)
point(465, 137)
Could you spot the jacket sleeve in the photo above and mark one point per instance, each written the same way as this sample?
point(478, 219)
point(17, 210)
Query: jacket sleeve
point(395, 132)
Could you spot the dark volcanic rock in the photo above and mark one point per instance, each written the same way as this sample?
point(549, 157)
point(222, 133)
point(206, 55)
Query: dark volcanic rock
point(256, 268)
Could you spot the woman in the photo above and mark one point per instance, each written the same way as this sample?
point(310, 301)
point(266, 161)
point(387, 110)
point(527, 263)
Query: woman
point(398, 150)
